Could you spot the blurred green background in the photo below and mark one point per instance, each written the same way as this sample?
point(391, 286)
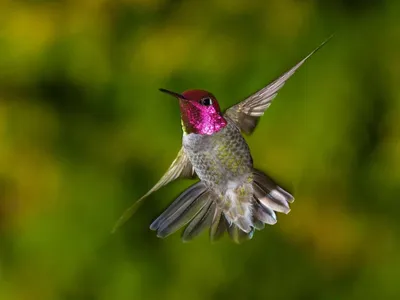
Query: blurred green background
point(84, 132)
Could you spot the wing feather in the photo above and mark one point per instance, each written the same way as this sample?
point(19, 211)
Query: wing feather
point(246, 113)
point(180, 167)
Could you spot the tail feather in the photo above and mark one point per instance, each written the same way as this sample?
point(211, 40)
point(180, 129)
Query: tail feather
point(258, 224)
point(182, 210)
point(272, 200)
point(238, 235)
point(202, 220)
point(244, 223)
point(218, 226)
point(198, 207)
point(269, 194)
point(184, 199)
point(264, 214)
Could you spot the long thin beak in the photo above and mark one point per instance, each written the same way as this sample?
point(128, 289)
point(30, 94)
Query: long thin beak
point(179, 96)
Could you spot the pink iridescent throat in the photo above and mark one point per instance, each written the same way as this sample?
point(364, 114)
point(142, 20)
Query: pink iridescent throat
point(200, 119)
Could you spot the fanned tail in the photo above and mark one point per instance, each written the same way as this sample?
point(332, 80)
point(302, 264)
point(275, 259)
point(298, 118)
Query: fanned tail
point(198, 208)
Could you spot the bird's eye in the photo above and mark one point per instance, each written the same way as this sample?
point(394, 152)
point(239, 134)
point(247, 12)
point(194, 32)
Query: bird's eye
point(206, 101)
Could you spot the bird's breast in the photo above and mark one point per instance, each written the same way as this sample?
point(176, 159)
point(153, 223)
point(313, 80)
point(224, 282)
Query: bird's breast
point(219, 158)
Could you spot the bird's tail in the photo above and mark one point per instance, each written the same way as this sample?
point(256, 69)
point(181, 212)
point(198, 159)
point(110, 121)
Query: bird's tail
point(196, 208)
point(199, 208)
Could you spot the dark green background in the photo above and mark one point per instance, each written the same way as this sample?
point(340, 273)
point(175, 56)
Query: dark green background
point(84, 132)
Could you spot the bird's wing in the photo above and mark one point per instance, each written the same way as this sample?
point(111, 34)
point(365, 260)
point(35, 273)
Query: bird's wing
point(180, 167)
point(246, 113)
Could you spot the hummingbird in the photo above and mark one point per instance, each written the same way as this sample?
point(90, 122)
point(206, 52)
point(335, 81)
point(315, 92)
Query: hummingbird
point(231, 195)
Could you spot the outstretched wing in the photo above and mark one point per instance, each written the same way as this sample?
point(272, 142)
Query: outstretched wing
point(180, 167)
point(246, 113)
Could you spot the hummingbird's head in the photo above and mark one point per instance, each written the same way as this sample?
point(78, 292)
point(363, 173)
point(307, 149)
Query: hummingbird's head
point(200, 112)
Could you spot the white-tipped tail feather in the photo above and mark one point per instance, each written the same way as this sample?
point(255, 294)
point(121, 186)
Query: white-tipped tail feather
point(242, 209)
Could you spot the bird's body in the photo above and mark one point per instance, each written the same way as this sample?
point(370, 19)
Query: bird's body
point(224, 163)
point(231, 195)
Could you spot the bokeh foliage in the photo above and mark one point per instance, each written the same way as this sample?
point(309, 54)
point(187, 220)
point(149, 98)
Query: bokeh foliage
point(84, 132)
